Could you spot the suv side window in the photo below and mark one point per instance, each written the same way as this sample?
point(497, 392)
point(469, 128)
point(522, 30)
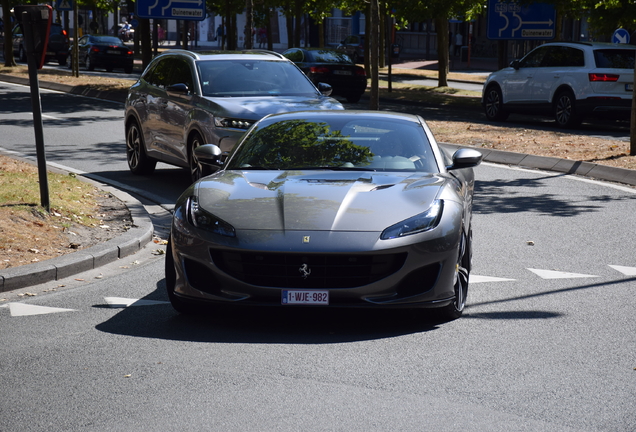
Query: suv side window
point(561, 56)
point(181, 73)
point(158, 75)
point(533, 59)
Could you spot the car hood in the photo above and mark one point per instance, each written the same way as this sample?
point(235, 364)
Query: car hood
point(317, 200)
point(258, 107)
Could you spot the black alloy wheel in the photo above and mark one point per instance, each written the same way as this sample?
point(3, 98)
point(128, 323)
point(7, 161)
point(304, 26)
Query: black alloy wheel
point(138, 161)
point(565, 110)
point(493, 104)
point(353, 97)
point(89, 64)
point(196, 169)
point(462, 274)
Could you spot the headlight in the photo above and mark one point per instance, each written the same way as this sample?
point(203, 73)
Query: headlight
point(417, 224)
point(207, 221)
point(232, 123)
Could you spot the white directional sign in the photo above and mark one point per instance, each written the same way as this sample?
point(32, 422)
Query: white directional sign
point(511, 19)
point(171, 9)
point(620, 36)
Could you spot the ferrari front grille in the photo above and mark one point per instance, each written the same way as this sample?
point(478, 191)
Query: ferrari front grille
point(285, 270)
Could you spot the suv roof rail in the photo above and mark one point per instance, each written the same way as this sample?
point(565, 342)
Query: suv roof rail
point(264, 51)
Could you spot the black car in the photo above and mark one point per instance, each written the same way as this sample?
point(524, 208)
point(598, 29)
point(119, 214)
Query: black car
point(327, 209)
point(108, 52)
point(353, 46)
point(331, 67)
point(57, 48)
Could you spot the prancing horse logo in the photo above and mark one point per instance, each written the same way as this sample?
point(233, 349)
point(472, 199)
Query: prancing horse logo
point(305, 271)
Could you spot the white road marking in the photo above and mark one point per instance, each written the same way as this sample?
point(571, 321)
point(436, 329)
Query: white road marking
point(23, 309)
point(121, 302)
point(473, 278)
point(627, 271)
point(552, 274)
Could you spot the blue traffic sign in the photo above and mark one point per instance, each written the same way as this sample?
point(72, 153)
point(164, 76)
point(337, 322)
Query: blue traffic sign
point(171, 9)
point(510, 19)
point(64, 5)
point(620, 36)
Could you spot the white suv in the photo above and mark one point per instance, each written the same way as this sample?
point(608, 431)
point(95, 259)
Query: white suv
point(570, 80)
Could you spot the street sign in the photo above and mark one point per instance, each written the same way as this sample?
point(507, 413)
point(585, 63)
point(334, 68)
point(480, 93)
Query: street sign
point(171, 9)
point(511, 19)
point(620, 36)
point(64, 5)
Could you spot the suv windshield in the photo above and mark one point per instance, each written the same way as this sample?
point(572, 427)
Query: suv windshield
point(614, 58)
point(235, 78)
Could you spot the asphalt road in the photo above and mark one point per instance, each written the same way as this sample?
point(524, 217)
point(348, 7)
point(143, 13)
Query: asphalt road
point(547, 342)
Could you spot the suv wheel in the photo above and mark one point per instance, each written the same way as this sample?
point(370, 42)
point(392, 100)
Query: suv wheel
point(196, 169)
point(565, 110)
point(493, 104)
point(22, 54)
point(138, 161)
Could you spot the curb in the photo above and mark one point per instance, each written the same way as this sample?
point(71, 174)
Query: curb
point(91, 258)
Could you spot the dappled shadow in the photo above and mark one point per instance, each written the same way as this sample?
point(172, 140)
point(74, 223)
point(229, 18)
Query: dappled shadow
point(514, 196)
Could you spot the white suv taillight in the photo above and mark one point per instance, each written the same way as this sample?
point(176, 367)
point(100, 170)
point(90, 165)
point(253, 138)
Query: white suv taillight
point(603, 77)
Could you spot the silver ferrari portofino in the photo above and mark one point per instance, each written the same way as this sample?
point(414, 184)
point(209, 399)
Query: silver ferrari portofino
point(327, 209)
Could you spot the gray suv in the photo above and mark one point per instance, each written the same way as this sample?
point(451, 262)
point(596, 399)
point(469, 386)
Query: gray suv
point(569, 80)
point(185, 99)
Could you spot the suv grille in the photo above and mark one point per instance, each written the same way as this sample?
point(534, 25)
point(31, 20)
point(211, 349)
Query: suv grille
point(284, 270)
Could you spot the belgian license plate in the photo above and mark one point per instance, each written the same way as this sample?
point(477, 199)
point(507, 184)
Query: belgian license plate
point(342, 72)
point(304, 297)
point(112, 52)
point(629, 87)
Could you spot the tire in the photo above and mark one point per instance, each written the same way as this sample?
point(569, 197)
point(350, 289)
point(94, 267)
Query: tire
point(62, 61)
point(138, 161)
point(196, 169)
point(89, 64)
point(493, 104)
point(171, 280)
point(353, 98)
point(69, 62)
point(462, 274)
point(565, 110)
point(22, 54)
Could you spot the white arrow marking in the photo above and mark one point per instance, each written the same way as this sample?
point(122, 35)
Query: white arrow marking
point(120, 302)
point(627, 271)
point(479, 279)
point(22, 309)
point(551, 274)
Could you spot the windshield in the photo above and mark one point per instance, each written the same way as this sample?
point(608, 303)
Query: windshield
point(235, 78)
point(348, 143)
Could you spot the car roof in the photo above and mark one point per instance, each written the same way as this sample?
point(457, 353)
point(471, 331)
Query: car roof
point(227, 55)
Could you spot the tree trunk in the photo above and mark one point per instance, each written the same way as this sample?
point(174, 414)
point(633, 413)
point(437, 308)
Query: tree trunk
point(9, 61)
point(249, 24)
point(373, 35)
point(441, 24)
point(146, 46)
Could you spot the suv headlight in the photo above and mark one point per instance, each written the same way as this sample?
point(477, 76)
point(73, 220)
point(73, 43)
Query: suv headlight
point(416, 224)
point(232, 123)
point(207, 221)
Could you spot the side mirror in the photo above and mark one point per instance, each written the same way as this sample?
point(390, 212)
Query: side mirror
point(325, 89)
point(177, 89)
point(514, 64)
point(465, 158)
point(209, 154)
